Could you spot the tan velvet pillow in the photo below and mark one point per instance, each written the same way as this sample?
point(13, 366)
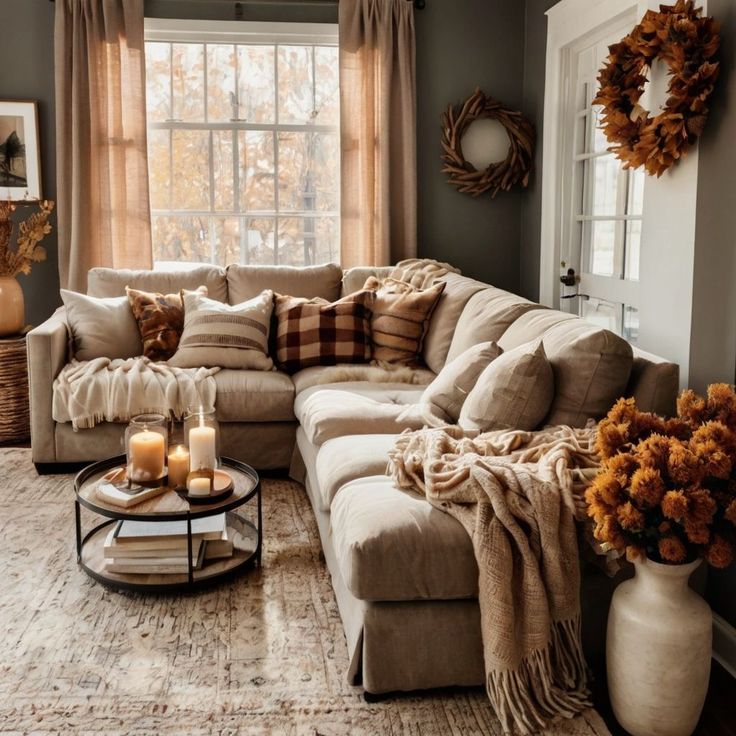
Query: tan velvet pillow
point(443, 399)
point(401, 315)
point(160, 319)
point(514, 392)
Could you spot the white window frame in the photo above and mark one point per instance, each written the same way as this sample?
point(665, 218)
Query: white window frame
point(243, 32)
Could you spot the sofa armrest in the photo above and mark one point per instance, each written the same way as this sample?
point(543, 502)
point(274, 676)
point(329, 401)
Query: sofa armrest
point(48, 353)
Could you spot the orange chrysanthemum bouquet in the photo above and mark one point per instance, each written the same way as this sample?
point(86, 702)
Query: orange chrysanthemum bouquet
point(667, 487)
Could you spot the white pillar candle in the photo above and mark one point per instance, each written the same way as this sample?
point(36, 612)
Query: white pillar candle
point(199, 487)
point(147, 456)
point(202, 452)
point(178, 467)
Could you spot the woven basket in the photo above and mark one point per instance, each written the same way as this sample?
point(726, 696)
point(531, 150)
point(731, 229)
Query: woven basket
point(15, 415)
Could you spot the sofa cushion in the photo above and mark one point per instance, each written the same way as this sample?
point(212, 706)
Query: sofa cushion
point(254, 396)
point(591, 368)
point(334, 375)
point(245, 282)
point(458, 291)
point(329, 413)
point(393, 545)
point(317, 332)
point(654, 383)
point(354, 278)
point(487, 315)
point(112, 281)
point(229, 336)
point(101, 327)
point(531, 325)
point(347, 458)
point(401, 318)
point(514, 392)
point(444, 397)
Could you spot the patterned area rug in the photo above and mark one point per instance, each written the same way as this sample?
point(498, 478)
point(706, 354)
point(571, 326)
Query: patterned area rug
point(262, 655)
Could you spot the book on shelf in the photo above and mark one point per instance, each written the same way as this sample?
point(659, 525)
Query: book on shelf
point(158, 565)
point(159, 548)
point(161, 533)
point(218, 549)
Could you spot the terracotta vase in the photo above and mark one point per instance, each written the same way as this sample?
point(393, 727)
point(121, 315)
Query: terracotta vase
point(658, 651)
point(12, 308)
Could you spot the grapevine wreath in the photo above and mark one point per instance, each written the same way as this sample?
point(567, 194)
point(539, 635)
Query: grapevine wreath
point(514, 169)
point(678, 35)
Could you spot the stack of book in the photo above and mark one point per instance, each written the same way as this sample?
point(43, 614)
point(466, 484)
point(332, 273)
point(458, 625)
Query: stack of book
point(161, 547)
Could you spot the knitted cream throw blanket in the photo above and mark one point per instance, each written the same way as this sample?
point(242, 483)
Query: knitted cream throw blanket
point(517, 494)
point(87, 393)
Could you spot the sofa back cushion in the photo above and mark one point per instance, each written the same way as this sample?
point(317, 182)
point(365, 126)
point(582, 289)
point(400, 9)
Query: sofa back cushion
point(354, 278)
point(458, 291)
point(224, 335)
point(101, 327)
point(317, 332)
point(106, 282)
point(531, 325)
point(487, 315)
point(654, 383)
point(245, 282)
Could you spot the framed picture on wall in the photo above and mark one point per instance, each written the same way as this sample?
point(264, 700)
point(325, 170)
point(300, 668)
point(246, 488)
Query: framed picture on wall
point(20, 157)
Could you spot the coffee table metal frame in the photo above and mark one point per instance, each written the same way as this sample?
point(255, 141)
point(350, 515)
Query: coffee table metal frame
point(228, 506)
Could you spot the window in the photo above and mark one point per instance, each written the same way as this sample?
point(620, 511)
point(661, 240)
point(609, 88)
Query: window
point(607, 207)
point(243, 142)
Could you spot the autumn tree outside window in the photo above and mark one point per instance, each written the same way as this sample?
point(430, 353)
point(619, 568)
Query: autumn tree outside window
point(243, 142)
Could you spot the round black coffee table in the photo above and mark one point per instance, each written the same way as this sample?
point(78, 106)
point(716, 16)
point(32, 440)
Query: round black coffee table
point(244, 532)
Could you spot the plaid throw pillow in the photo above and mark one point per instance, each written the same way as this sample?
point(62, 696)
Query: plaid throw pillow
point(317, 332)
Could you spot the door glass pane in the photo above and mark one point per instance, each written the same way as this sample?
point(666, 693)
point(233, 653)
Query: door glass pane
point(222, 165)
point(602, 313)
point(603, 235)
point(604, 183)
point(227, 239)
point(221, 83)
point(327, 85)
point(158, 81)
point(296, 241)
point(257, 171)
point(187, 66)
point(600, 142)
point(256, 84)
point(633, 249)
point(307, 165)
point(296, 85)
point(635, 205)
point(327, 240)
point(260, 241)
point(631, 324)
point(191, 186)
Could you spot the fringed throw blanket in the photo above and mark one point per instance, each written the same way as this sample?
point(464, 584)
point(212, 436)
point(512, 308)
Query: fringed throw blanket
point(517, 494)
point(103, 390)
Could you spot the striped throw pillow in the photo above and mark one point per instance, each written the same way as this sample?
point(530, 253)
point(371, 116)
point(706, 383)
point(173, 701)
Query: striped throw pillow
point(217, 334)
point(400, 320)
point(317, 332)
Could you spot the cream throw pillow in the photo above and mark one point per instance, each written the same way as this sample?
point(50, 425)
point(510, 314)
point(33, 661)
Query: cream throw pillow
point(443, 399)
point(514, 392)
point(217, 334)
point(101, 328)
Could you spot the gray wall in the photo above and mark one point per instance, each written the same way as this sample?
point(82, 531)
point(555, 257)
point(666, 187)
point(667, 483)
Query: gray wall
point(461, 45)
point(27, 61)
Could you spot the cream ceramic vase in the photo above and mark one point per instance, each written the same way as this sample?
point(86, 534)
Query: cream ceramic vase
point(12, 308)
point(658, 651)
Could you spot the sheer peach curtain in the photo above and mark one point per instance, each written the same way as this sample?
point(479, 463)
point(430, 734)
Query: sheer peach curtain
point(378, 132)
point(102, 179)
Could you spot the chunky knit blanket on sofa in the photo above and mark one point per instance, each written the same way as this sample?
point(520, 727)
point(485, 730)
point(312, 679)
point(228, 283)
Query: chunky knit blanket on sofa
point(517, 494)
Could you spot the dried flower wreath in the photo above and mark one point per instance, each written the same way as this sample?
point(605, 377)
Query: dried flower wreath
point(678, 35)
point(514, 169)
point(667, 487)
point(31, 232)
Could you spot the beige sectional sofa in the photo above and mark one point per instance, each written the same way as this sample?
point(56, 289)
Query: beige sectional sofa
point(404, 573)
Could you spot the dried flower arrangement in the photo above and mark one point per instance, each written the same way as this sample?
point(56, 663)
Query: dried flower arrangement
point(687, 42)
point(30, 233)
point(667, 487)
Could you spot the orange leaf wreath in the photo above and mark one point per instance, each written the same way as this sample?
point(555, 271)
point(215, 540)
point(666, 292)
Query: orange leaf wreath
point(678, 35)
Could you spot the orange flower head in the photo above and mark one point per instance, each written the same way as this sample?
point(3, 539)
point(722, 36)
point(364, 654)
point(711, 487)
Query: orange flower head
point(682, 464)
point(674, 505)
point(611, 438)
point(720, 552)
point(653, 452)
point(721, 403)
point(697, 533)
point(691, 407)
point(671, 549)
point(701, 506)
point(630, 518)
point(730, 512)
point(634, 552)
point(608, 487)
point(608, 531)
point(622, 467)
point(647, 487)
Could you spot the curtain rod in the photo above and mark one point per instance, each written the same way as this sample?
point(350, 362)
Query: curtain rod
point(418, 4)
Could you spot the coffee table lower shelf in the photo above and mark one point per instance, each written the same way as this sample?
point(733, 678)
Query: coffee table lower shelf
point(245, 555)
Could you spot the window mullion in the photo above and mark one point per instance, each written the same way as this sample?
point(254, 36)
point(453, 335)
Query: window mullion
point(276, 155)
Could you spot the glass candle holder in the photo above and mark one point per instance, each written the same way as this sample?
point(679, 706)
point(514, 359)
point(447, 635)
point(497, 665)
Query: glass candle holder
point(202, 437)
point(201, 482)
point(146, 445)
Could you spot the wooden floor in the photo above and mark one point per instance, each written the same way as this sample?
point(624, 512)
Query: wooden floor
point(719, 714)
